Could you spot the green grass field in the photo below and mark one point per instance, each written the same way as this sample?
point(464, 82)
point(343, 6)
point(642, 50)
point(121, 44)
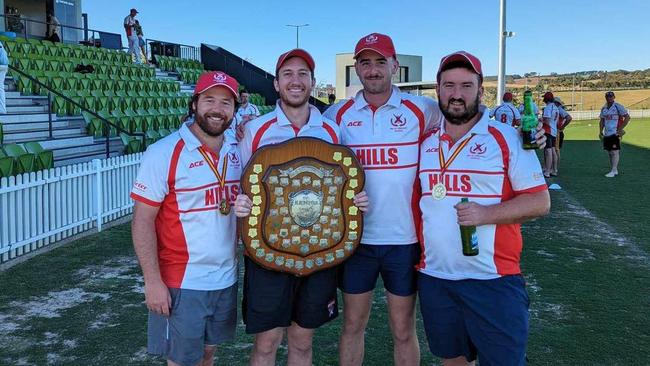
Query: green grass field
point(587, 265)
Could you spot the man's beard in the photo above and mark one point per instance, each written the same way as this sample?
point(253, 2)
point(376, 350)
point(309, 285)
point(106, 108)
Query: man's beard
point(202, 122)
point(460, 118)
point(292, 103)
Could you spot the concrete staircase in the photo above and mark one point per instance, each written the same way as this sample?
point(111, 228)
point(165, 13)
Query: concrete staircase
point(27, 120)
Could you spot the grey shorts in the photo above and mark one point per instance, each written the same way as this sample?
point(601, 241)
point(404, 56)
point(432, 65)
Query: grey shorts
point(197, 319)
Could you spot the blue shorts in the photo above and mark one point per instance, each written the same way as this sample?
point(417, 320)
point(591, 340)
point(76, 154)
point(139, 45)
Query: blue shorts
point(198, 319)
point(488, 318)
point(395, 263)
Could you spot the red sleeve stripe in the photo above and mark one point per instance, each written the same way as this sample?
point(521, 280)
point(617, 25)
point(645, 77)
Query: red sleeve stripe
point(505, 151)
point(144, 200)
point(536, 189)
point(260, 133)
point(339, 114)
point(171, 176)
point(418, 113)
point(331, 132)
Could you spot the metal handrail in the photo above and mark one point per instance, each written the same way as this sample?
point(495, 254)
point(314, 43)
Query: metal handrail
point(105, 122)
point(192, 52)
point(25, 21)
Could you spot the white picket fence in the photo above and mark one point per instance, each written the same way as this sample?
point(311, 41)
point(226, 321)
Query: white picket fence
point(595, 114)
point(38, 209)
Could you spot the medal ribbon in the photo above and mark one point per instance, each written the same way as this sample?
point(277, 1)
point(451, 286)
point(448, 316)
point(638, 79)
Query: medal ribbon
point(441, 157)
point(221, 178)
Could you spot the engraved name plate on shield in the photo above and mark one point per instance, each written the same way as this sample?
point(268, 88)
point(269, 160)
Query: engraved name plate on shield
point(302, 192)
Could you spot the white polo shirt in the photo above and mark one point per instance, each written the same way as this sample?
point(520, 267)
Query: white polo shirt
point(129, 22)
point(553, 114)
point(196, 243)
point(492, 168)
point(506, 113)
point(612, 115)
point(386, 142)
point(274, 127)
point(250, 109)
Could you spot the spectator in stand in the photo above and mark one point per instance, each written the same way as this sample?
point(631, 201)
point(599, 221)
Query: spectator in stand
point(4, 65)
point(141, 43)
point(131, 35)
point(506, 112)
point(52, 32)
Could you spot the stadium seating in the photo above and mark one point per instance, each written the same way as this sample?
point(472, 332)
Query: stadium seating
point(44, 158)
point(6, 165)
point(24, 162)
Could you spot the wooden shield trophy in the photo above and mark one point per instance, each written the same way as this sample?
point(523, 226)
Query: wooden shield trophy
point(303, 219)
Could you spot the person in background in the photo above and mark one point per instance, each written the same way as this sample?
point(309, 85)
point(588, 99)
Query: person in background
point(52, 33)
point(129, 28)
point(613, 119)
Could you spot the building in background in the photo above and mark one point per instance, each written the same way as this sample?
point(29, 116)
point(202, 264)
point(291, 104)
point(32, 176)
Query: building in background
point(348, 84)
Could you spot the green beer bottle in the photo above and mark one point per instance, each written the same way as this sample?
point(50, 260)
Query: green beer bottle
point(529, 122)
point(468, 237)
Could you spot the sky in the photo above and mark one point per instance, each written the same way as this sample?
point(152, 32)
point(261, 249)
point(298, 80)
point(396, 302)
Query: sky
point(560, 36)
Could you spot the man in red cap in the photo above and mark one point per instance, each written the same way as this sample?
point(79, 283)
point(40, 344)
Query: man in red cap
point(474, 303)
point(613, 120)
point(383, 126)
point(183, 230)
point(131, 35)
point(274, 301)
point(506, 112)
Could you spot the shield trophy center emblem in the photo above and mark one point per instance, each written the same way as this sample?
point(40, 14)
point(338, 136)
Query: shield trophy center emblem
point(305, 207)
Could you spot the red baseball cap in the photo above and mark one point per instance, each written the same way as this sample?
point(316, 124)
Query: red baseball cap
point(296, 52)
point(507, 96)
point(380, 43)
point(210, 79)
point(548, 96)
point(460, 56)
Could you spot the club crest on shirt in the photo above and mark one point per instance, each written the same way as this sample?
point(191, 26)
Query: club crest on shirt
point(478, 149)
point(234, 160)
point(398, 122)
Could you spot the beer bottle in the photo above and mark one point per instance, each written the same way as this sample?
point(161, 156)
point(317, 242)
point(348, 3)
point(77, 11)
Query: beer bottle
point(529, 122)
point(468, 237)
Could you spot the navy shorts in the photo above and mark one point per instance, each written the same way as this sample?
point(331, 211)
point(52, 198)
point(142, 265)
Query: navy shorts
point(275, 299)
point(484, 318)
point(198, 318)
point(550, 141)
point(612, 143)
point(395, 263)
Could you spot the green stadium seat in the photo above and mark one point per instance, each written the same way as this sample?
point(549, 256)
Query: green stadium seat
point(6, 165)
point(132, 144)
point(44, 158)
point(24, 162)
point(139, 122)
point(151, 137)
point(164, 132)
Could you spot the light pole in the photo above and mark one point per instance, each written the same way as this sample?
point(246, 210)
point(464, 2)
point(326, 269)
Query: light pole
point(503, 34)
point(297, 26)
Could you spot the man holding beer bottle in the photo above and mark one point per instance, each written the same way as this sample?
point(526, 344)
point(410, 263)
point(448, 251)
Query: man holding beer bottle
point(472, 295)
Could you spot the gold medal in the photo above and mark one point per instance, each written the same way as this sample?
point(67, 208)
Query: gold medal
point(439, 192)
point(224, 207)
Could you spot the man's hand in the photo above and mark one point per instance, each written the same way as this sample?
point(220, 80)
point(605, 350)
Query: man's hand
point(471, 214)
point(239, 132)
point(540, 136)
point(620, 132)
point(361, 201)
point(157, 297)
point(243, 205)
